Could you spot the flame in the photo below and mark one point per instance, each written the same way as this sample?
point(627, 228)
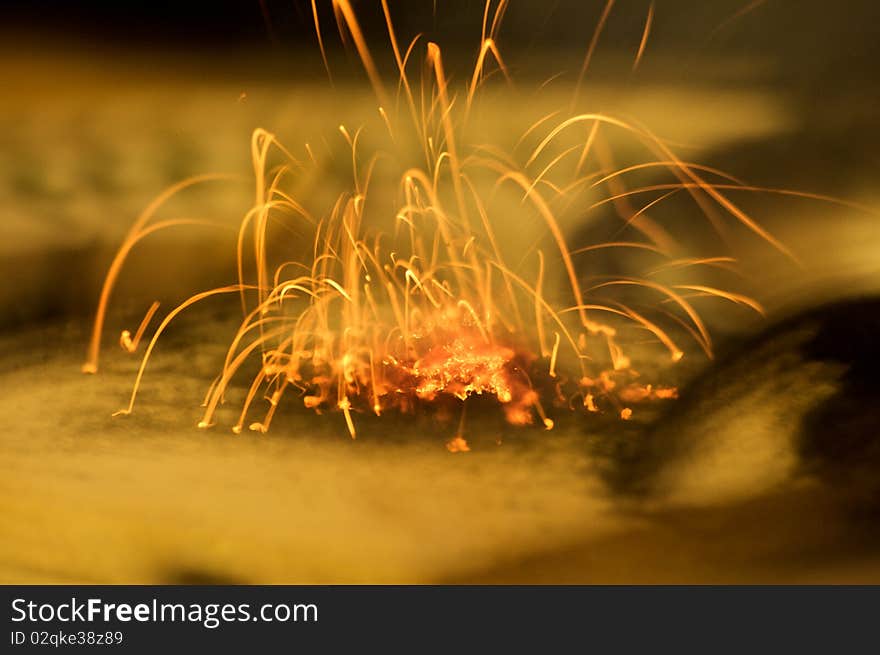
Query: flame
point(432, 309)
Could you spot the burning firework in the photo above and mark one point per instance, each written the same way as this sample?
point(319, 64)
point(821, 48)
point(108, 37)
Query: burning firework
point(409, 301)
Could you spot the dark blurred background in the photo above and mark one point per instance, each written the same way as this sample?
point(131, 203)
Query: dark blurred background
point(812, 41)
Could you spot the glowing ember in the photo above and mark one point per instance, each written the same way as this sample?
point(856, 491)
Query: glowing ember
point(415, 301)
point(462, 368)
point(457, 445)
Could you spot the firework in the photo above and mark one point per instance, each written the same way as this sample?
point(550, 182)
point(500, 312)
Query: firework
point(410, 300)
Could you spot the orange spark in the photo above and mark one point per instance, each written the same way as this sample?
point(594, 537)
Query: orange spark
point(438, 308)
